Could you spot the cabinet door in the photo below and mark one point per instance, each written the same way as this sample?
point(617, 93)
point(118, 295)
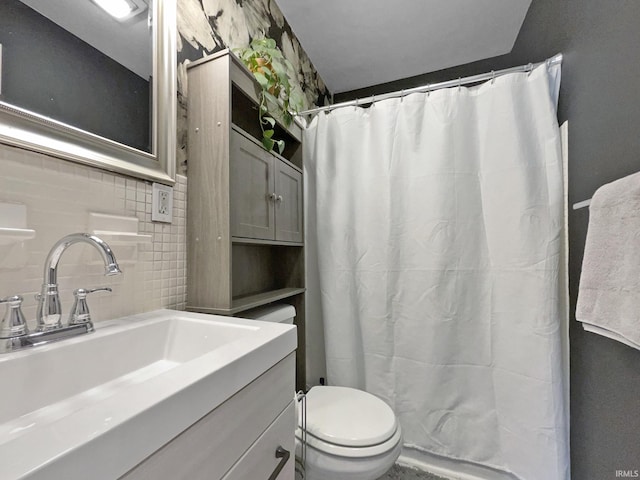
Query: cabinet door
point(288, 203)
point(252, 184)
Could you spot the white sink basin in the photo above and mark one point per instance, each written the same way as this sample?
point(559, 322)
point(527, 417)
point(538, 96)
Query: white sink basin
point(68, 407)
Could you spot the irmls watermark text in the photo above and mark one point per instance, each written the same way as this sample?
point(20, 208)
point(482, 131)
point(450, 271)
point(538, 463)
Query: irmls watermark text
point(627, 474)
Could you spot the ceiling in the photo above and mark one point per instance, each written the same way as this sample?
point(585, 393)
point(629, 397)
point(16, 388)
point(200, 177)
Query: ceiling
point(359, 43)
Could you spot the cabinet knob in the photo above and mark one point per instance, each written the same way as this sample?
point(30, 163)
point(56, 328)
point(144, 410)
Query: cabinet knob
point(279, 198)
point(272, 197)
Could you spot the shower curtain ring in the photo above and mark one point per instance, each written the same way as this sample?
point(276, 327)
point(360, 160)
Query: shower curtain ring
point(401, 95)
point(493, 77)
point(355, 108)
point(459, 83)
point(428, 90)
point(529, 69)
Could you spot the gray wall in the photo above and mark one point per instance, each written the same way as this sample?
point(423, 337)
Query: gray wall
point(600, 96)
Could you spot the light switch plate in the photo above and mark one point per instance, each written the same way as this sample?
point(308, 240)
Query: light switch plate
point(162, 203)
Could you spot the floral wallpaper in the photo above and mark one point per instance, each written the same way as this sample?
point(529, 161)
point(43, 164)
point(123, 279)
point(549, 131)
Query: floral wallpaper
point(207, 26)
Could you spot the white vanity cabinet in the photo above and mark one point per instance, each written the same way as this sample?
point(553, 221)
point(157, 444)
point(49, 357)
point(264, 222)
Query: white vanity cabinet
point(236, 441)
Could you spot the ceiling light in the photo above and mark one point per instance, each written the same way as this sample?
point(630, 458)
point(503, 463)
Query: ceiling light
point(122, 9)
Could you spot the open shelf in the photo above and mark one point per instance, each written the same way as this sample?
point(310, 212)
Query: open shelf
point(13, 235)
point(244, 117)
point(117, 229)
point(259, 241)
point(248, 302)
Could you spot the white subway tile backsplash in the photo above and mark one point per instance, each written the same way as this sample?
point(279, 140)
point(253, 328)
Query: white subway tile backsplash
point(59, 196)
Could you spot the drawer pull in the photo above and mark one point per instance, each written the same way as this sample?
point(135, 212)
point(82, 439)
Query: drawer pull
point(283, 455)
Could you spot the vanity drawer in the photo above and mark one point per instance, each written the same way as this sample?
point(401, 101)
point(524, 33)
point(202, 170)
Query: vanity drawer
point(260, 461)
point(211, 446)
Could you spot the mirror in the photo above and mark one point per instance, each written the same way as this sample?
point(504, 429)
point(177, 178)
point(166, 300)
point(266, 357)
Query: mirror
point(79, 96)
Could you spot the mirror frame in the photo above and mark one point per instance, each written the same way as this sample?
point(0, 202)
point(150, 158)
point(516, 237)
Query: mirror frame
point(31, 131)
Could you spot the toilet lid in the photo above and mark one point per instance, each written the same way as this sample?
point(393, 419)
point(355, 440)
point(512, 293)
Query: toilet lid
point(348, 417)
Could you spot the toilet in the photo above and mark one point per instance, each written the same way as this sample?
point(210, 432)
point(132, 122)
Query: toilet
point(351, 434)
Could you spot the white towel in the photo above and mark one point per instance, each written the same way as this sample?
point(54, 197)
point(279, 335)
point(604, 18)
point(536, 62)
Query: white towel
point(609, 294)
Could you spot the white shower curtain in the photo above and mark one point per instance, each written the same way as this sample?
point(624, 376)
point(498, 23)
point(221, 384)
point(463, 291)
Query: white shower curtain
point(435, 223)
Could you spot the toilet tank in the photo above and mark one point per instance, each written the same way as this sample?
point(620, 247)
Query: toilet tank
point(280, 313)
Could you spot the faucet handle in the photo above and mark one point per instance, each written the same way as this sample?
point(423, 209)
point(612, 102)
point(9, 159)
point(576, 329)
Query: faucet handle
point(80, 311)
point(13, 324)
point(86, 292)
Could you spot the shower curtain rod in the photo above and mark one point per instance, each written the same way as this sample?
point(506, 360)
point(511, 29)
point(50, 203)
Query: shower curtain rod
point(555, 60)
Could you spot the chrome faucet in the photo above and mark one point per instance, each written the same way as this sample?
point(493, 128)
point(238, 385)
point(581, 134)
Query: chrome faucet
point(14, 333)
point(49, 311)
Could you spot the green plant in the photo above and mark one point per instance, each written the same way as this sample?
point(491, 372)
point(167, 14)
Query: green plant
point(278, 98)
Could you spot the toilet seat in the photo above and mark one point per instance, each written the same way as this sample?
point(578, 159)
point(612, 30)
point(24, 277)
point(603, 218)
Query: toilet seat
point(352, 452)
point(350, 423)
